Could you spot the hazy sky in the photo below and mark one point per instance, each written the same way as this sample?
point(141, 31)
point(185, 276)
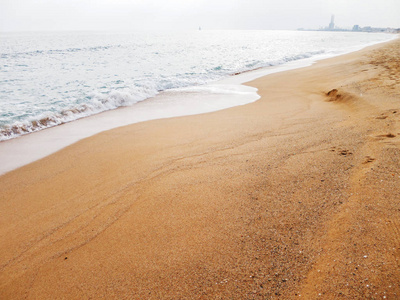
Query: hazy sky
point(22, 15)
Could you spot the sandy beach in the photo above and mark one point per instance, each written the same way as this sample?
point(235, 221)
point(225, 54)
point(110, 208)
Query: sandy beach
point(296, 195)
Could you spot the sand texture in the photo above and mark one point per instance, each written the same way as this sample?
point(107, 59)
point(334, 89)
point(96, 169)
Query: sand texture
point(297, 194)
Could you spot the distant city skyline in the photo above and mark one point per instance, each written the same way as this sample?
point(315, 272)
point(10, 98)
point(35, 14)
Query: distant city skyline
point(332, 27)
point(43, 15)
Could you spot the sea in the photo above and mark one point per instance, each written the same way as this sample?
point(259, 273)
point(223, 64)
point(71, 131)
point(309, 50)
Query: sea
point(52, 78)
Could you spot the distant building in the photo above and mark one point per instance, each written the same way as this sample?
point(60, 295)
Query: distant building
point(356, 28)
point(373, 29)
point(332, 23)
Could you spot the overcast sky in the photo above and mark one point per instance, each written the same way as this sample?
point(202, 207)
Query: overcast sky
point(38, 15)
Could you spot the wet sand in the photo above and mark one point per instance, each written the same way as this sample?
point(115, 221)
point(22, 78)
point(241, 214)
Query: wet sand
point(294, 195)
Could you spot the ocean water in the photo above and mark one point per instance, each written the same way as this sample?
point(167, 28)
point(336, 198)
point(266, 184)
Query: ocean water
point(47, 79)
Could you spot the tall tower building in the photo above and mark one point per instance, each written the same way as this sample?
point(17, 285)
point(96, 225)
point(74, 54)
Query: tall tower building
point(332, 23)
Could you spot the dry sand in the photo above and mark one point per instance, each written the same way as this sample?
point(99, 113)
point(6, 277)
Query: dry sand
point(294, 195)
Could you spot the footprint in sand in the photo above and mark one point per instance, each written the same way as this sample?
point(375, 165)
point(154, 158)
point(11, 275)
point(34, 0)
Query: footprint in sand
point(385, 115)
point(334, 95)
point(343, 152)
point(368, 159)
point(388, 135)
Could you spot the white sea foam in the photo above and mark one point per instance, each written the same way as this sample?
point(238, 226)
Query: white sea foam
point(98, 103)
point(171, 103)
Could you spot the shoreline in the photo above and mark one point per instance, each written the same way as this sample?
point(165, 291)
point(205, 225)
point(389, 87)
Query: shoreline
point(292, 195)
point(17, 152)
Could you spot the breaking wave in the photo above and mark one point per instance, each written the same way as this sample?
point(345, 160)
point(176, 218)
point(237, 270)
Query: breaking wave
point(98, 103)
